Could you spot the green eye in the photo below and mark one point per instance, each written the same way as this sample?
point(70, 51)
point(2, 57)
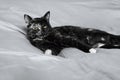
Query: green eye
point(45, 27)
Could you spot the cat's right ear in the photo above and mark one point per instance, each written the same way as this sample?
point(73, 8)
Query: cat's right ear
point(27, 18)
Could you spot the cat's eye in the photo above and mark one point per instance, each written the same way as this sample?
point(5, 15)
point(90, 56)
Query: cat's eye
point(45, 27)
point(39, 28)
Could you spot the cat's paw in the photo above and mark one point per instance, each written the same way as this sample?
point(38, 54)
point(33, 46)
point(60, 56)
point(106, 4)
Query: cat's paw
point(48, 52)
point(92, 50)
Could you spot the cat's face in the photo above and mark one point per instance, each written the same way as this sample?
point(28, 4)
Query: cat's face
point(37, 27)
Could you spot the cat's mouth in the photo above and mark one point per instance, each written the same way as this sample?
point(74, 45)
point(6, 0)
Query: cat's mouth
point(37, 35)
point(39, 38)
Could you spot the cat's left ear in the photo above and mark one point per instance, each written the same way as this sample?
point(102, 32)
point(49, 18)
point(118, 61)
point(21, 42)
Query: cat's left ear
point(47, 15)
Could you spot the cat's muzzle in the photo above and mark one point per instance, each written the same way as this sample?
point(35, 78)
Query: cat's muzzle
point(38, 33)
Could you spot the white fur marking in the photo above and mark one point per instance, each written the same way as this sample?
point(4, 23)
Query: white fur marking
point(100, 45)
point(92, 50)
point(48, 52)
point(103, 39)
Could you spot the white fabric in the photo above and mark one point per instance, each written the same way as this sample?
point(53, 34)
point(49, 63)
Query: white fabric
point(19, 60)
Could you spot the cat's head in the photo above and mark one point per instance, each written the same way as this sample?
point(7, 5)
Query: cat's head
point(38, 27)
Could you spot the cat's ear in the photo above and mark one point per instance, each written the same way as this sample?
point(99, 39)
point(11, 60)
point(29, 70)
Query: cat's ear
point(27, 18)
point(47, 15)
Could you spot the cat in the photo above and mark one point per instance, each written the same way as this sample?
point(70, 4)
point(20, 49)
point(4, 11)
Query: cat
point(53, 40)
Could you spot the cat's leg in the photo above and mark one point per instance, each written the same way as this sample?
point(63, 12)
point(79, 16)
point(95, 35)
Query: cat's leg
point(51, 49)
point(55, 50)
point(48, 47)
point(85, 48)
point(94, 49)
point(71, 41)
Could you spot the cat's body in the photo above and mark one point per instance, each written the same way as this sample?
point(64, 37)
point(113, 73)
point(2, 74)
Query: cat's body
point(43, 36)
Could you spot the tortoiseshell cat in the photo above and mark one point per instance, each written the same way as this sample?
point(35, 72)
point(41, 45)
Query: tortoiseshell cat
point(43, 36)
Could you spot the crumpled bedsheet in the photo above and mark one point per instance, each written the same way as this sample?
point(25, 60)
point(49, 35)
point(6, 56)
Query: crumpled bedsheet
point(19, 60)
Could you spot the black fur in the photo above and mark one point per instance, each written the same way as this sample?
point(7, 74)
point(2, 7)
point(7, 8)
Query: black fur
point(43, 36)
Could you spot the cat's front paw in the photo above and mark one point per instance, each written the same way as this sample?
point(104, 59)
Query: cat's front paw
point(92, 50)
point(48, 52)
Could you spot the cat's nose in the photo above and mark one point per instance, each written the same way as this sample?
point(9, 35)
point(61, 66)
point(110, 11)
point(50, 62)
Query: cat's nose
point(38, 33)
